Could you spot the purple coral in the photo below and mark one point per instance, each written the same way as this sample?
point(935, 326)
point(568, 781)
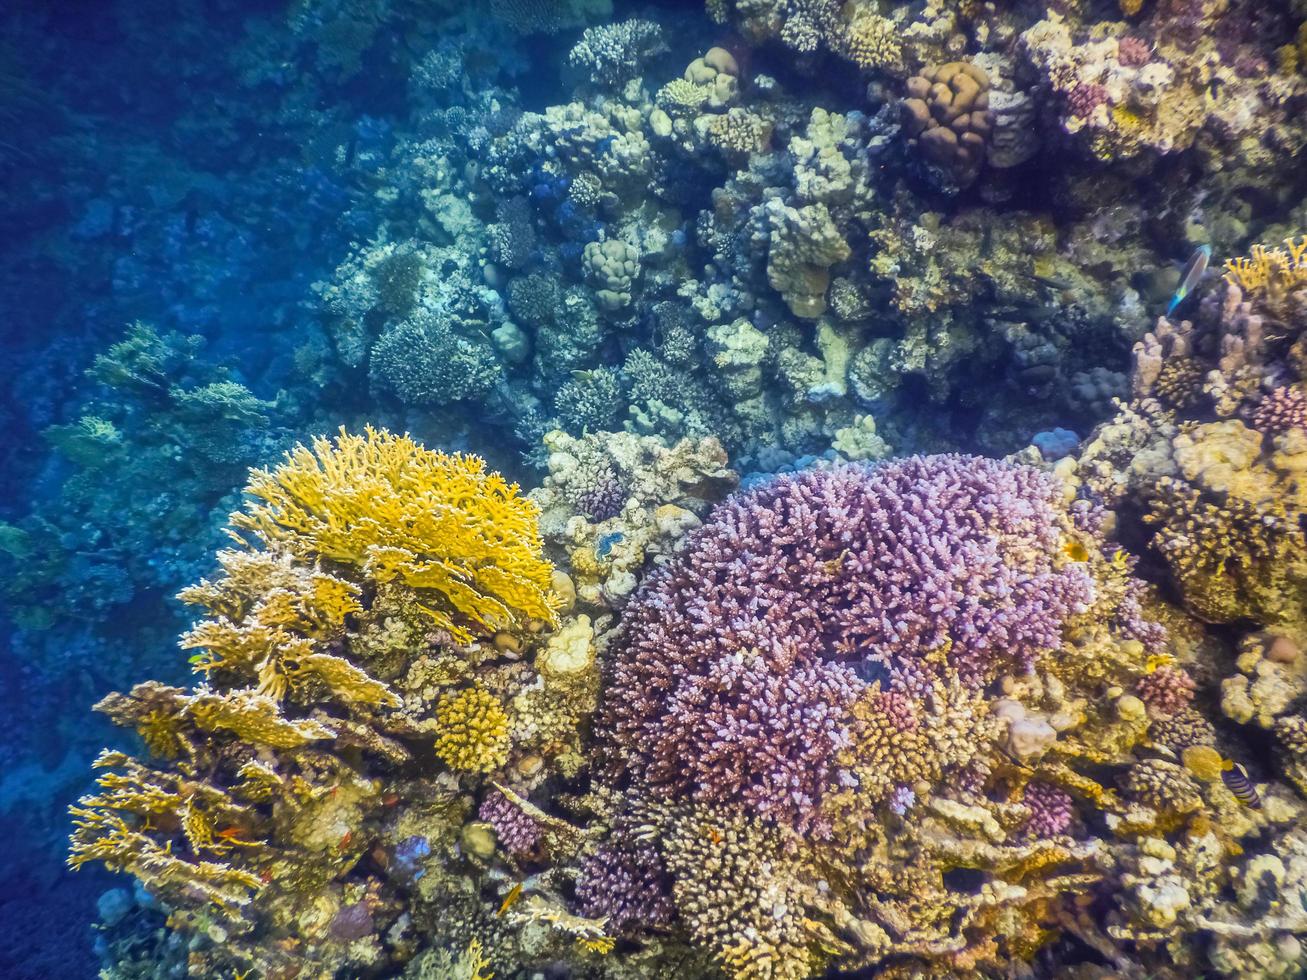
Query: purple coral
point(1050, 808)
point(1166, 691)
point(1133, 52)
point(627, 884)
point(517, 832)
point(1085, 98)
point(596, 490)
point(765, 731)
point(741, 657)
point(352, 922)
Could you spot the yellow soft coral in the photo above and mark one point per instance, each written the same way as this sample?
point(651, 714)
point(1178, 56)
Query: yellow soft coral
point(474, 731)
point(463, 538)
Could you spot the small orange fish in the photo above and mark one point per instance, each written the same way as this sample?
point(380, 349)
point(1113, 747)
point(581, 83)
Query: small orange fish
point(713, 834)
point(511, 898)
point(232, 835)
point(344, 841)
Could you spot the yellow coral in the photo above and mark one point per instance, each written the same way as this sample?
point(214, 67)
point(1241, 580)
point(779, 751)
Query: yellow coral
point(474, 735)
point(266, 610)
point(737, 131)
point(1273, 269)
point(253, 717)
point(111, 826)
point(682, 97)
point(461, 537)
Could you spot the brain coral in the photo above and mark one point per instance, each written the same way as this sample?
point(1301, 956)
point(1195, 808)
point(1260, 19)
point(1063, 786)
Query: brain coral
point(741, 659)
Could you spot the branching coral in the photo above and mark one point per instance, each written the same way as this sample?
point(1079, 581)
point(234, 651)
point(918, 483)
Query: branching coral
point(441, 525)
point(335, 686)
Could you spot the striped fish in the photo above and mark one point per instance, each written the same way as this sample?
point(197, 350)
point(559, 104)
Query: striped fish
point(1237, 782)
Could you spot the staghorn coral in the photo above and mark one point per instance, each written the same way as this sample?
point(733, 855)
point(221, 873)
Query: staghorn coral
point(876, 759)
point(514, 830)
point(626, 885)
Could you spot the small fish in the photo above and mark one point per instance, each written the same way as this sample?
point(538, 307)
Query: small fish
point(1120, 559)
point(1075, 551)
point(1237, 782)
point(1157, 661)
point(1192, 275)
point(510, 899)
point(834, 566)
point(1054, 283)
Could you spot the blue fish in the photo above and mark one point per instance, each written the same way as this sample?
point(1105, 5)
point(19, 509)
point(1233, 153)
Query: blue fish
point(1193, 274)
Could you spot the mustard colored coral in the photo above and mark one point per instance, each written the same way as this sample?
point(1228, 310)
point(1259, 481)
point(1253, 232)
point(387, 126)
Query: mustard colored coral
point(1271, 274)
point(474, 734)
point(462, 538)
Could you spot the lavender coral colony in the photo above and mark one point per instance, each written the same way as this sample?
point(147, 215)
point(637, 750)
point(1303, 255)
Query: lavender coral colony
point(911, 579)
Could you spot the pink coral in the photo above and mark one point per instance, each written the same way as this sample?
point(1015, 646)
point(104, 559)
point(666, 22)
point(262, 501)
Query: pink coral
point(1283, 409)
point(740, 658)
point(1085, 98)
point(517, 832)
point(1166, 690)
point(1133, 52)
point(627, 884)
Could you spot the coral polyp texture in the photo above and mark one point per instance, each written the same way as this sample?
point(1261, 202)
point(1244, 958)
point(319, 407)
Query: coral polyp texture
point(746, 657)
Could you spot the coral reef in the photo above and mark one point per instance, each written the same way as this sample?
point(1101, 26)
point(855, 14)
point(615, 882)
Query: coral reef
point(947, 118)
point(369, 643)
point(940, 714)
point(800, 696)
